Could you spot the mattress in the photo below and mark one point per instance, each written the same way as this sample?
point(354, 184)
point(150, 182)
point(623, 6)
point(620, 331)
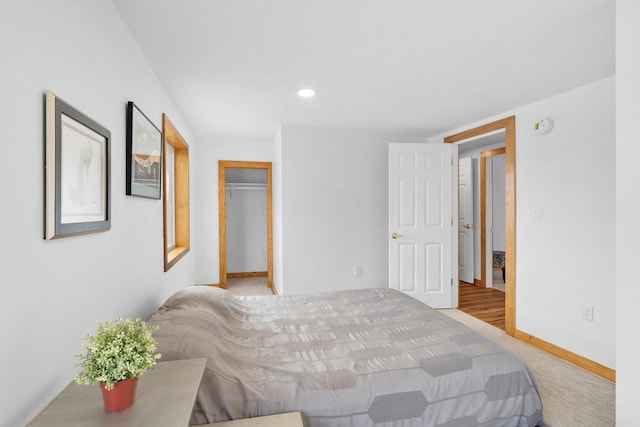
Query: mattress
point(351, 358)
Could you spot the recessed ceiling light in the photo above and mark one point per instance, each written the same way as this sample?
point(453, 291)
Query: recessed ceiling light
point(306, 93)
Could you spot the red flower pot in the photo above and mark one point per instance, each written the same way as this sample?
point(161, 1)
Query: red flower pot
point(121, 396)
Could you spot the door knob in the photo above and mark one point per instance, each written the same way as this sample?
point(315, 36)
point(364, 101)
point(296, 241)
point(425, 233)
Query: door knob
point(396, 235)
point(468, 226)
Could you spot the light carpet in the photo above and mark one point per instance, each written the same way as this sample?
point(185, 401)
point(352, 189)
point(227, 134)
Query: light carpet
point(248, 286)
point(571, 396)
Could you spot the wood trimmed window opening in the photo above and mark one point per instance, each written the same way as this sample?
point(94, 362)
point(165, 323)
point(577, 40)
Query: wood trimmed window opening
point(175, 186)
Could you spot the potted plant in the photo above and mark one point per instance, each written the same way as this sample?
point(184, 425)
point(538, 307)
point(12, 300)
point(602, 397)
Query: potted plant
point(116, 356)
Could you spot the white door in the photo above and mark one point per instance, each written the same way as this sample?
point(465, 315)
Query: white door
point(421, 221)
point(465, 228)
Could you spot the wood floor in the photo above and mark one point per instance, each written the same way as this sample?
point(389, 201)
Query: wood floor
point(486, 304)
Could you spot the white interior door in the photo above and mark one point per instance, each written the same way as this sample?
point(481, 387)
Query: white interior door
point(465, 218)
point(421, 221)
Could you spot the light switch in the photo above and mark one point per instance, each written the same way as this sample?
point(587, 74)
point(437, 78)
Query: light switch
point(536, 214)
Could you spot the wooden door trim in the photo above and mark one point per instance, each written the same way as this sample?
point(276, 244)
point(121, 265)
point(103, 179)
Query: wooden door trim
point(509, 126)
point(483, 210)
point(222, 215)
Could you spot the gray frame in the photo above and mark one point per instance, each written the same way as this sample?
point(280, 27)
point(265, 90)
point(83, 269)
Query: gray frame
point(77, 172)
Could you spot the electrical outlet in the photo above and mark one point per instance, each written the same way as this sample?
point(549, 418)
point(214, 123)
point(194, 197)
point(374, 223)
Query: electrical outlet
point(357, 270)
point(587, 312)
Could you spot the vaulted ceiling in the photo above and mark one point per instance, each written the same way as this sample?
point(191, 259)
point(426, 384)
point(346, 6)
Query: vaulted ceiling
point(403, 67)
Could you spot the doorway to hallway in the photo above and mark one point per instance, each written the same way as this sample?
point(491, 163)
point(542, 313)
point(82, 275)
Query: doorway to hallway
point(507, 126)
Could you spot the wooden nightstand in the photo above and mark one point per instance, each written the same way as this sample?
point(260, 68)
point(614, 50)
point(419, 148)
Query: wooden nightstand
point(290, 419)
point(165, 397)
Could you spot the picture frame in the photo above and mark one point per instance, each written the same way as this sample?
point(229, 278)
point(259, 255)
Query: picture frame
point(77, 172)
point(144, 155)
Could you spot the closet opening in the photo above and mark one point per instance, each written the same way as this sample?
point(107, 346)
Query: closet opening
point(245, 221)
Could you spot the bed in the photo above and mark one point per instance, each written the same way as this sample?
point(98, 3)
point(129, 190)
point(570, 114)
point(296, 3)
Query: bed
point(351, 358)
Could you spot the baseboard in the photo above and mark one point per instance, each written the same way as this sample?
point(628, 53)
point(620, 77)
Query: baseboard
point(576, 359)
point(247, 274)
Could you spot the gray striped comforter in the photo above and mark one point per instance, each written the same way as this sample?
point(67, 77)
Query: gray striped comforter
point(352, 358)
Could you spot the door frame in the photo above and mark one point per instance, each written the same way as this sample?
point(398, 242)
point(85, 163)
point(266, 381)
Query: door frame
point(483, 210)
point(222, 215)
point(509, 126)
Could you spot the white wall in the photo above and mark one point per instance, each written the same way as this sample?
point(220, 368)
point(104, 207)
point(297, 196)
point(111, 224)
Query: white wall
point(334, 208)
point(567, 259)
point(627, 211)
point(497, 164)
point(278, 252)
point(246, 230)
point(204, 202)
point(53, 292)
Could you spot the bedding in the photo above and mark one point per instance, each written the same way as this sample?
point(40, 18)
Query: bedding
point(350, 358)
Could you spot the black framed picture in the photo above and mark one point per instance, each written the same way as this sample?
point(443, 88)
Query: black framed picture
point(77, 171)
point(144, 155)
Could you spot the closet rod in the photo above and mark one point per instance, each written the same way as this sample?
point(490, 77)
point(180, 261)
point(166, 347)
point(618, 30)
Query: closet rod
point(245, 186)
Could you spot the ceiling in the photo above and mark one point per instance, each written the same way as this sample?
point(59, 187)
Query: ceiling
point(411, 68)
